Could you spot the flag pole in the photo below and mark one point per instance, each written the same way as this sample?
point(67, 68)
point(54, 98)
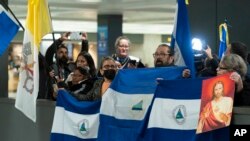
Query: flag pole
point(8, 8)
point(53, 36)
point(226, 21)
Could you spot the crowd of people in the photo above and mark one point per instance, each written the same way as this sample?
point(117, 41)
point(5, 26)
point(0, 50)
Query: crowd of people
point(87, 83)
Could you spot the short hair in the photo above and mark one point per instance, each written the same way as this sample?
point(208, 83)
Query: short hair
point(62, 46)
point(105, 59)
point(83, 70)
point(239, 49)
point(120, 38)
point(234, 62)
point(171, 50)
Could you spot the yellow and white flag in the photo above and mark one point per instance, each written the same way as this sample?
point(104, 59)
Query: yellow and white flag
point(38, 24)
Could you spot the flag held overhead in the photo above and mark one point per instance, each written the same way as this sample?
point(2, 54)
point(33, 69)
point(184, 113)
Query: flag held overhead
point(224, 39)
point(181, 41)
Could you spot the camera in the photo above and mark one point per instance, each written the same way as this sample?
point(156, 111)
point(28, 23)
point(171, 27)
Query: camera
point(76, 36)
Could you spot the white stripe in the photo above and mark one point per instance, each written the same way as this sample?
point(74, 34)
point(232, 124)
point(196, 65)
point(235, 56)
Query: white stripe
point(175, 20)
point(66, 122)
point(164, 111)
point(178, 58)
point(119, 105)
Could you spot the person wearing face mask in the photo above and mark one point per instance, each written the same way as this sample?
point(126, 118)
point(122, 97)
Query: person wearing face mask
point(108, 71)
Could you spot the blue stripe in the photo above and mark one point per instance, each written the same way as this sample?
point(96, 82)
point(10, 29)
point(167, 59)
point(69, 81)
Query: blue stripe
point(8, 30)
point(223, 42)
point(179, 89)
point(71, 104)
point(63, 137)
point(159, 134)
point(222, 134)
point(112, 129)
point(143, 81)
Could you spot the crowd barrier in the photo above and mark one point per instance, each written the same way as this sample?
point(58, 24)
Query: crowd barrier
point(14, 126)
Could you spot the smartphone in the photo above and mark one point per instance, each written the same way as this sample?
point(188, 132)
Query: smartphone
point(76, 36)
point(204, 45)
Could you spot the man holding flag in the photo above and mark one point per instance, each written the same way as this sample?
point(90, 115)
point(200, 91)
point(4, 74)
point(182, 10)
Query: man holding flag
point(164, 57)
point(38, 24)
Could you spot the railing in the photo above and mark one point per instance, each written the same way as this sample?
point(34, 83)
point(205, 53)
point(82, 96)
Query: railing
point(14, 126)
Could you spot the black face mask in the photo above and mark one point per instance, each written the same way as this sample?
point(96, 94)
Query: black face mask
point(109, 74)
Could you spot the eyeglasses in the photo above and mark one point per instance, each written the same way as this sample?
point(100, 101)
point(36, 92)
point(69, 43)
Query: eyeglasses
point(123, 46)
point(77, 75)
point(160, 55)
point(223, 68)
point(109, 66)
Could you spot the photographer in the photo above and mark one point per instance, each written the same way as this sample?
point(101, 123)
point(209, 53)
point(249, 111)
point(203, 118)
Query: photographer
point(61, 68)
point(210, 64)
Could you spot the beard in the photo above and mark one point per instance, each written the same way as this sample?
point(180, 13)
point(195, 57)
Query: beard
point(159, 63)
point(63, 60)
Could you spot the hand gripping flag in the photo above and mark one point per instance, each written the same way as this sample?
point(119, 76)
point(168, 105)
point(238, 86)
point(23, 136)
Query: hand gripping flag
point(38, 24)
point(175, 113)
point(125, 104)
point(181, 39)
point(175, 110)
point(8, 29)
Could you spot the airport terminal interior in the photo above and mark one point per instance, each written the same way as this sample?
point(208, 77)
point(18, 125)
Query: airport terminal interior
point(147, 23)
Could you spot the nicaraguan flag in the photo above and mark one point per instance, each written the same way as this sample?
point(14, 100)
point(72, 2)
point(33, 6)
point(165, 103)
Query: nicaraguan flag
point(224, 40)
point(181, 39)
point(75, 120)
point(125, 104)
point(175, 113)
point(8, 29)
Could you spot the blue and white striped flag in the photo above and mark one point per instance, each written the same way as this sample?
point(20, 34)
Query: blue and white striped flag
point(8, 29)
point(181, 40)
point(224, 40)
point(75, 120)
point(175, 113)
point(125, 104)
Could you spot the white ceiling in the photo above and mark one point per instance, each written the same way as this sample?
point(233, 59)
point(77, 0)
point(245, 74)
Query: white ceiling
point(139, 16)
